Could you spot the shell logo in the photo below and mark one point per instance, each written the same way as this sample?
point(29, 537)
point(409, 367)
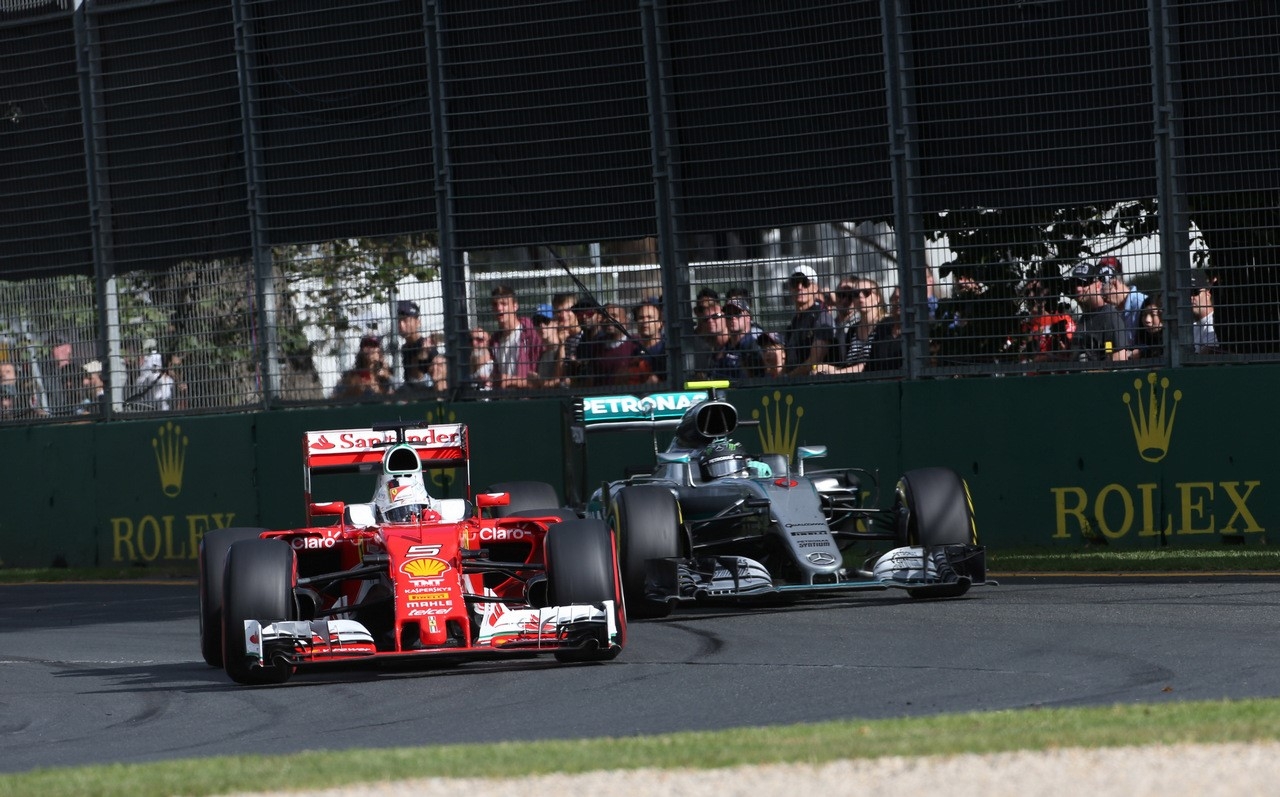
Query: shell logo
point(424, 568)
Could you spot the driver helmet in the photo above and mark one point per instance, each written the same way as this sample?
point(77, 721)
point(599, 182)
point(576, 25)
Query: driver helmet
point(403, 498)
point(721, 459)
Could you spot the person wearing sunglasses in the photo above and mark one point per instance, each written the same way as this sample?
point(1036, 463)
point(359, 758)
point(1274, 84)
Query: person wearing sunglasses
point(869, 308)
point(812, 331)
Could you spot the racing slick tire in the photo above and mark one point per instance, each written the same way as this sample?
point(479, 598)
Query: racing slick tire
point(582, 568)
point(257, 585)
point(646, 519)
point(524, 497)
point(933, 507)
point(213, 558)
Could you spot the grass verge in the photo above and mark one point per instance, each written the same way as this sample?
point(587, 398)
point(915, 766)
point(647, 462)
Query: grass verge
point(1034, 729)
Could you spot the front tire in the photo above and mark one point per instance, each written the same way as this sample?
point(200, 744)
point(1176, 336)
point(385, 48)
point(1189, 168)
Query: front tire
point(582, 568)
point(933, 507)
point(257, 585)
point(646, 519)
point(213, 559)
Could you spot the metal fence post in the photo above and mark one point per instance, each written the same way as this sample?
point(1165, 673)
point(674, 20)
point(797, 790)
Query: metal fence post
point(453, 283)
point(1171, 200)
point(676, 292)
point(108, 348)
point(263, 267)
point(908, 238)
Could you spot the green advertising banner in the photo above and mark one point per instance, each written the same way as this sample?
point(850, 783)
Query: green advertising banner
point(1131, 459)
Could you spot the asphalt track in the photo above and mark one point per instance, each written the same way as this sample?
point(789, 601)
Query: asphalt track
point(102, 673)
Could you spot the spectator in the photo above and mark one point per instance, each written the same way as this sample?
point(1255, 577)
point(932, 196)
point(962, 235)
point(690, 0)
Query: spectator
point(1100, 333)
point(15, 403)
point(653, 346)
point(414, 352)
point(886, 347)
point(845, 316)
point(370, 377)
point(95, 402)
point(709, 333)
point(620, 362)
point(62, 380)
point(552, 370)
point(774, 355)
point(1126, 299)
point(812, 330)
point(589, 347)
point(566, 319)
point(438, 373)
point(516, 345)
point(740, 358)
point(156, 386)
point(861, 337)
point(481, 366)
point(1048, 328)
point(1203, 336)
point(1149, 342)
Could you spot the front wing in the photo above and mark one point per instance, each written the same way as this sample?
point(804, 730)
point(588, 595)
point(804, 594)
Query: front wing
point(503, 634)
point(945, 571)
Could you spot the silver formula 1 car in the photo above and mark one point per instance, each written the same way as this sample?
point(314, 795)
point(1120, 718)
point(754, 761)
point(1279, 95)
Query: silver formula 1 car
point(713, 521)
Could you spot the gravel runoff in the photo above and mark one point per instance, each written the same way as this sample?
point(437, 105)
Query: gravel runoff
point(1155, 771)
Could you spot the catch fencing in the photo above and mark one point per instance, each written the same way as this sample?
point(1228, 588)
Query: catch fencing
point(207, 207)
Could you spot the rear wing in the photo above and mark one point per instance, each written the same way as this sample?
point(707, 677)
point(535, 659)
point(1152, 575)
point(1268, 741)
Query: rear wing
point(360, 450)
point(627, 413)
point(438, 446)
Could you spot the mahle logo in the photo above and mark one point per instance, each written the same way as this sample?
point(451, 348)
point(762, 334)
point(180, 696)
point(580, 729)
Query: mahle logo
point(170, 447)
point(1152, 417)
point(779, 428)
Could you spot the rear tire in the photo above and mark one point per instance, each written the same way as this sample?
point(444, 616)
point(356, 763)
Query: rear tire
point(524, 497)
point(933, 507)
point(213, 559)
point(582, 568)
point(258, 585)
point(646, 519)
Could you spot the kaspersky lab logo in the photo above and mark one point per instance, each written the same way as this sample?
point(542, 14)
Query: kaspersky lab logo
point(1152, 417)
point(170, 447)
point(780, 427)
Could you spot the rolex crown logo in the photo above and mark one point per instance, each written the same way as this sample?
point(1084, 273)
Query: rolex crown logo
point(780, 427)
point(171, 457)
point(1152, 419)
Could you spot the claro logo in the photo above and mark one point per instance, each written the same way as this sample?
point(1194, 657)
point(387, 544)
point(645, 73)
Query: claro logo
point(1157, 504)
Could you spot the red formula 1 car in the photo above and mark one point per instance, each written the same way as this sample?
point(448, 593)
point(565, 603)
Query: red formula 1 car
point(406, 575)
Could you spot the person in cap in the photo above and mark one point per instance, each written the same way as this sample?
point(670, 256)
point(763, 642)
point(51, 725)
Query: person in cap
point(812, 329)
point(1100, 332)
point(740, 358)
point(96, 402)
point(1119, 294)
point(414, 352)
point(1203, 337)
